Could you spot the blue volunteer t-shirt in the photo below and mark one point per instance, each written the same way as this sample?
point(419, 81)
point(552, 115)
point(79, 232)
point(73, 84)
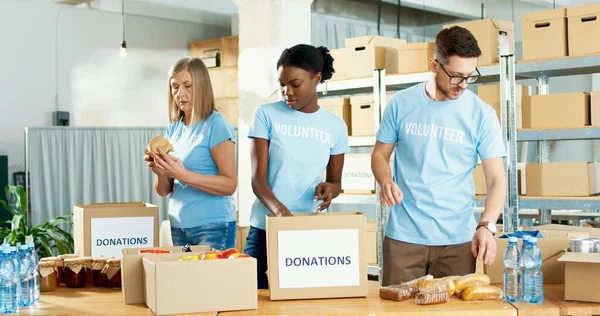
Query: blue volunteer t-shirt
point(188, 206)
point(437, 147)
point(300, 145)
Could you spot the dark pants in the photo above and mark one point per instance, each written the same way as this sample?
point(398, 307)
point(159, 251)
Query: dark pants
point(256, 247)
point(404, 262)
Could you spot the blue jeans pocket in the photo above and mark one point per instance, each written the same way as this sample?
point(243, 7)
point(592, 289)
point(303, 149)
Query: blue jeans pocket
point(220, 235)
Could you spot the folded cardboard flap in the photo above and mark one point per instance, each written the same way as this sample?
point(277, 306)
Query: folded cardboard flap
point(580, 257)
point(320, 214)
point(115, 205)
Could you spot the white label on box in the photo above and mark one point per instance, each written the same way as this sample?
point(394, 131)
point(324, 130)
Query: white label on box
point(357, 174)
point(318, 258)
point(111, 234)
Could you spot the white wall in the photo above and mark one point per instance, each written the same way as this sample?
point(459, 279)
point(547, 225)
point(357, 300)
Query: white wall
point(94, 84)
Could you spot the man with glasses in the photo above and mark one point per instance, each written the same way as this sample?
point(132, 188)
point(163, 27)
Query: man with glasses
point(438, 130)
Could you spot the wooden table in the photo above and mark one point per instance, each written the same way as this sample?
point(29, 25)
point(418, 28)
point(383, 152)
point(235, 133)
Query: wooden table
point(556, 293)
point(373, 305)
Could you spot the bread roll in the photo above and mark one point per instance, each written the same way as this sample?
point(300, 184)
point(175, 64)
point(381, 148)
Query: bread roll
point(416, 282)
point(485, 292)
point(451, 277)
point(159, 142)
point(437, 285)
point(431, 298)
point(470, 280)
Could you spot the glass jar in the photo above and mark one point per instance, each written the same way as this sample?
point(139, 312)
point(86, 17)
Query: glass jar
point(58, 262)
point(98, 276)
point(61, 267)
point(88, 262)
point(75, 272)
point(112, 269)
point(48, 277)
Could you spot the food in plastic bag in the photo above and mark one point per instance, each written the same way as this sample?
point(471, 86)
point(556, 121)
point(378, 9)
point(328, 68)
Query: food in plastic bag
point(397, 293)
point(437, 285)
point(431, 298)
point(470, 280)
point(484, 292)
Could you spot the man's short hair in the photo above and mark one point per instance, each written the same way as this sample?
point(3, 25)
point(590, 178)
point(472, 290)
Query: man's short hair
point(455, 41)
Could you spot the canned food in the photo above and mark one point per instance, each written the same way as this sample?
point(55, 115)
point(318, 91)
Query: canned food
point(594, 245)
point(581, 245)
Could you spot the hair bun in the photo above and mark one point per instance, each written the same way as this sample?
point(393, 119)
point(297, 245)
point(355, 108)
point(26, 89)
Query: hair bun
point(328, 70)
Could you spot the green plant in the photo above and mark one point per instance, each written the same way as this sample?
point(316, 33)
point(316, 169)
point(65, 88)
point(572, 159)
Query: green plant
point(49, 238)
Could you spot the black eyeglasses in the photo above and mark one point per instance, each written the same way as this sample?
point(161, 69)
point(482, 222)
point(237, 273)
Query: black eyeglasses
point(456, 80)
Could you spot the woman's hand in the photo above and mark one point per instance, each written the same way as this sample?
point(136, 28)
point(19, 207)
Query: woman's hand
point(171, 166)
point(324, 191)
point(152, 165)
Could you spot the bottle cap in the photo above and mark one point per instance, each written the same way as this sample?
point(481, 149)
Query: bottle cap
point(526, 237)
point(13, 248)
point(5, 250)
point(23, 247)
point(533, 240)
point(512, 239)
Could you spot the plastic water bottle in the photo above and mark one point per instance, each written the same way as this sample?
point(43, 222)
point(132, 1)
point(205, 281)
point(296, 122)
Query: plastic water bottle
point(17, 278)
point(35, 281)
point(8, 287)
point(25, 276)
point(533, 278)
point(511, 278)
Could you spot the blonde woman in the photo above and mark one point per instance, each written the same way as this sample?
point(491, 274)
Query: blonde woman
point(200, 175)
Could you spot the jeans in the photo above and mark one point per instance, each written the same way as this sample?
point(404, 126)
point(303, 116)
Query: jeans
point(219, 235)
point(256, 247)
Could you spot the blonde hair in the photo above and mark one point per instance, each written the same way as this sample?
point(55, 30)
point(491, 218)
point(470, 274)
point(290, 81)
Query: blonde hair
point(203, 101)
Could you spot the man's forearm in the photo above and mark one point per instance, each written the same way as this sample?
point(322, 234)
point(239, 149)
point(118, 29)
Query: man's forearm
point(494, 201)
point(381, 169)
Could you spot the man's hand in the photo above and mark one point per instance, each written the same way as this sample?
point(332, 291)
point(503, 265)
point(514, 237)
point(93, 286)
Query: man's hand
point(483, 246)
point(391, 194)
point(324, 191)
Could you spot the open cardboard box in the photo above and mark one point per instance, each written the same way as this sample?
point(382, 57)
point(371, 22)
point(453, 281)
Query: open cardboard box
point(178, 287)
point(317, 255)
point(582, 276)
point(132, 271)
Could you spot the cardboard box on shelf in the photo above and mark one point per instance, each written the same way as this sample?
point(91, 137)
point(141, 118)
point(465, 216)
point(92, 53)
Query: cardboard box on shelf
point(479, 180)
point(595, 107)
point(363, 115)
point(179, 287)
point(414, 57)
point(340, 107)
point(230, 108)
point(522, 178)
point(317, 255)
point(563, 231)
point(103, 229)
point(357, 176)
point(548, 179)
point(584, 26)
point(372, 242)
point(242, 234)
point(490, 94)
point(132, 271)
point(486, 32)
point(562, 110)
point(362, 55)
point(582, 280)
point(218, 52)
point(544, 34)
point(224, 82)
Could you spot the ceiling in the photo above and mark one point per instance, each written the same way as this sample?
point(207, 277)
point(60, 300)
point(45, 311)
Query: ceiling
point(226, 7)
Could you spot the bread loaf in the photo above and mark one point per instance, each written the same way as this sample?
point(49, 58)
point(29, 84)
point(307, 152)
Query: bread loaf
point(396, 293)
point(485, 292)
point(437, 285)
point(431, 298)
point(416, 282)
point(470, 280)
point(451, 277)
point(159, 142)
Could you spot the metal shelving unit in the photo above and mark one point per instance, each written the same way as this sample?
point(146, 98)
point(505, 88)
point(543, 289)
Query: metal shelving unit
point(541, 71)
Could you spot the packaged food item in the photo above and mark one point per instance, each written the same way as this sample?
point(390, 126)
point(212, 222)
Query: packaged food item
point(75, 273)
point(58, 262)
point(484, 292)
point(397, 293)
point(431, 298)
point(155, 251)
point(88, 262)
point(97, 275)
point(112, 269)
point(48, 276)
point(189, 258)
point(62, 270)
point(469, 280)
point(416, 282)
point(437, 285)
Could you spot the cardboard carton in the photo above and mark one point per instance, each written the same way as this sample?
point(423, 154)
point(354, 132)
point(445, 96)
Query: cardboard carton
point(363, 115)
point(584, 28)
point(340, 107)
point(548, 179)
point(362, 55)
point(562, 110)
point(357, 177)
point(582, 280)
point(545, 34)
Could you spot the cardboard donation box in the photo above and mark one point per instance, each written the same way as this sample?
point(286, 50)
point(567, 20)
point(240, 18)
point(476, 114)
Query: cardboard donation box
point(357, 176)
point(487, 33)
point(104, 229)
point(317, 255)
point(545, 34)
point(179, 287)
point(132, 271)
point(548, 179)
point(362, 55)
point(582, 277)
point(584, 29)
